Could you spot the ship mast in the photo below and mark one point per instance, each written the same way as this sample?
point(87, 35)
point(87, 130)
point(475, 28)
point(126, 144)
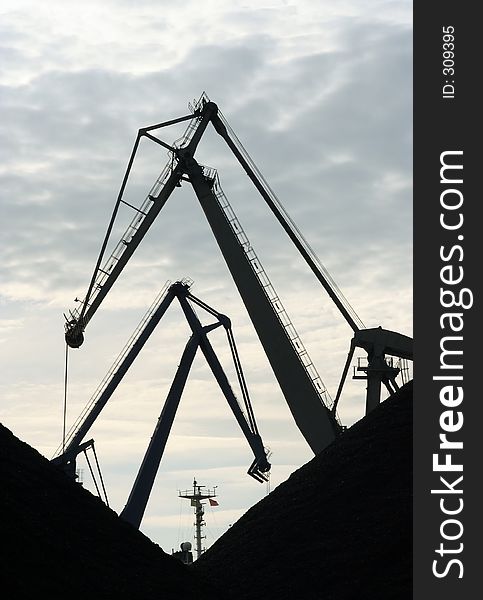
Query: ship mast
point(196, 496)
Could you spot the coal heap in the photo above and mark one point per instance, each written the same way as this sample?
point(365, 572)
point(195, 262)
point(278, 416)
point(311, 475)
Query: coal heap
point(339, 528)
point(60, 541)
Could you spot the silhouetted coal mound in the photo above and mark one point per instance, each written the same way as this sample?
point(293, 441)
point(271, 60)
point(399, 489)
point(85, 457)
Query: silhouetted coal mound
point(338, 528)
point(58, 541)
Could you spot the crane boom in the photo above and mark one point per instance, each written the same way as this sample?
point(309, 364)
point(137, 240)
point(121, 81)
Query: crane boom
point(295, 373)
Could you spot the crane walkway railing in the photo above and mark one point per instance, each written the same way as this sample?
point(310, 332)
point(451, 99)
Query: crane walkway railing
point(114, 367)
point(186, 137)
point(404, 366)
point(345, 306)
point(141, 212)
point(268, 289)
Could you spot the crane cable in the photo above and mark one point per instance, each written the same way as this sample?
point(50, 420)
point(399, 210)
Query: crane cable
point(295, 229)
point(66, 366)
point(110, 226)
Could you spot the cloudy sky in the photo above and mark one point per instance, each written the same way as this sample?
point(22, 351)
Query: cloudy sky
point(320, 94)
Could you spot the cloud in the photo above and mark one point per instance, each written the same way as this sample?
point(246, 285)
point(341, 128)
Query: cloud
point(321, 99)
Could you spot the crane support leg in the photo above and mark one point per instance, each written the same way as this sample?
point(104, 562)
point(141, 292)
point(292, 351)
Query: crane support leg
point(134, 510)
point(313, 418)
point(254, 440)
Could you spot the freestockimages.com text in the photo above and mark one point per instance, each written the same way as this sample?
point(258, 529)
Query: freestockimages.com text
point(454, 300)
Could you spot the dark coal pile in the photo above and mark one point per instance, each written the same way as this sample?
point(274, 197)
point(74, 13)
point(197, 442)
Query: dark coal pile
point(59, 541)
point(339, 528)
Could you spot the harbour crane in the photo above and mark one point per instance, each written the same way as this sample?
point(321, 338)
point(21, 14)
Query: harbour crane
point(138, 498)
point(312, 408)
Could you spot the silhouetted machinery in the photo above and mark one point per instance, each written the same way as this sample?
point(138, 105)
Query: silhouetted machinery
point(138, 498)
point(306, 396)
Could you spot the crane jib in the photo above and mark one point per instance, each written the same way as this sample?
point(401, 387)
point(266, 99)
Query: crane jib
point(138, 498)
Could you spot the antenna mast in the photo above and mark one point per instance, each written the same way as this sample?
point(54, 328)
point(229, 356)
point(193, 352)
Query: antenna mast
point(196, 496)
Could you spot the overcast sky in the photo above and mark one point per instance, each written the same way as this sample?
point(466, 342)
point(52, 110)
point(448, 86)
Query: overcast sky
point(319, 93)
